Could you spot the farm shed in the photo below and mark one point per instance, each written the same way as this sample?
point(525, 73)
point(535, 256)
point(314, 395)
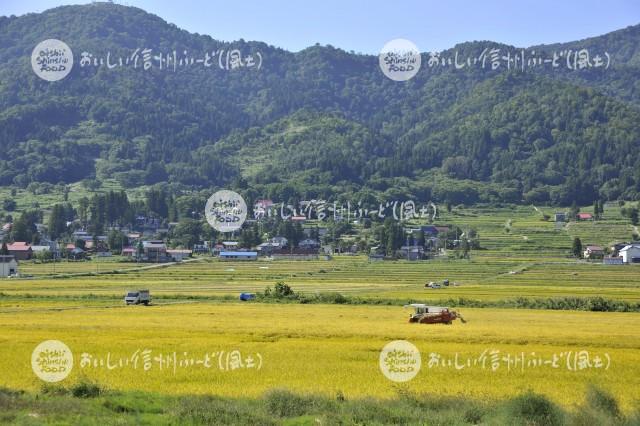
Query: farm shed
point(631, 253)
point(238, 255)
point(8, 266)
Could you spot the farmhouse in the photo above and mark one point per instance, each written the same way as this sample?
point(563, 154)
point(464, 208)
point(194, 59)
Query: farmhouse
point(129, 252)
point(178, 255)
point(201, 247)
point(263, 204)
point(8, 266)
point(280, 242)
point(40, 249)
point(429, 230)
point(134, 236)
point(584, 216)
point(267, 248)
point(154, 251)
point(631, 253)
point(238, 255)
point(77, 254)
point(230, 245)
point(593, 252)
point(20, 250)
point(560, 217)
point(411, 252)
point(309, 243)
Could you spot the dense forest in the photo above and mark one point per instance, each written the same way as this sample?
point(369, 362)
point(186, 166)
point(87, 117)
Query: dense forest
point(321, 122)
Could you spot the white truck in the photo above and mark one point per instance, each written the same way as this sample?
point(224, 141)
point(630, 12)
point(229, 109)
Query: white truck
point(137, 297)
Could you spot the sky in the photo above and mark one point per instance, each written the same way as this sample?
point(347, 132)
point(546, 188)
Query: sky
point(365, 26)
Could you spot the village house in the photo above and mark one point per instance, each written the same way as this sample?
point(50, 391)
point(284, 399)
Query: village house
point(8, 266)
point(261, 208)
point(77, 254)
point(81, 235)
point(40, 249)
point(280, 242)
point(178, 255)
point(309, 243)
point(154, 251)
point(615, 249)
point(265, 249)
point(129, 252)
point(593, 252)
point(201, 247)
point(560, 217)
point(230, 245)
point(134, 236)
point(584, 216)
point(20, 250)
point(630, 253)
point(411, 252)
point(429, 230)
point(264, 203)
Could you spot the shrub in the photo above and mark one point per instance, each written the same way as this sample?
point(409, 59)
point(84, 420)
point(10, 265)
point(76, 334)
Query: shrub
point(602, 401)
point(86, 389)
point(533, 410)
point(284, 403)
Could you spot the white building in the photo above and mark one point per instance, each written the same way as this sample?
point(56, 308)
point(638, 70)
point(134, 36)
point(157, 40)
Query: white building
point(630, 253)
point(8, 266)
point(178, 255)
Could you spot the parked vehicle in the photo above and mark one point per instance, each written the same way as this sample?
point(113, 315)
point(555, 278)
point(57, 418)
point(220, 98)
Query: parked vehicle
point(247, 296)
point(137, 297)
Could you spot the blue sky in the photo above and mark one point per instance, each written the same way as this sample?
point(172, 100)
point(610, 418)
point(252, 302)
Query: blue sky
point(365, 26)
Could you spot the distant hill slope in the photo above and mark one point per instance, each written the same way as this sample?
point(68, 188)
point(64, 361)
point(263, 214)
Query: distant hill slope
point(320, 120)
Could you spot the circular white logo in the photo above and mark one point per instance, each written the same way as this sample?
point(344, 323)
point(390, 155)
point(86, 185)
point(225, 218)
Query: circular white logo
point(52, 360)
point(400, 361)
point(226, 211)
point(400, 59)
point(52, 60)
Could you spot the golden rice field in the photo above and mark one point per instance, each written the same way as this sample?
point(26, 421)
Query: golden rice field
point(332, 349)
point(323, 348)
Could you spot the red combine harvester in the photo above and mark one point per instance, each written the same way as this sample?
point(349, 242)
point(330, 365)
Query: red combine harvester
point(425, 314)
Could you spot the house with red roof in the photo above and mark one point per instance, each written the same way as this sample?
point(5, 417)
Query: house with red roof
point(20, 250)
point(584, 216)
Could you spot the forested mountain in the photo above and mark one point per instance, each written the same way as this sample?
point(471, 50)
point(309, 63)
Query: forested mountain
point(318, 122)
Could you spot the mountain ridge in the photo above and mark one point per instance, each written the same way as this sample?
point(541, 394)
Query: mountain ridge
point(153, 127)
